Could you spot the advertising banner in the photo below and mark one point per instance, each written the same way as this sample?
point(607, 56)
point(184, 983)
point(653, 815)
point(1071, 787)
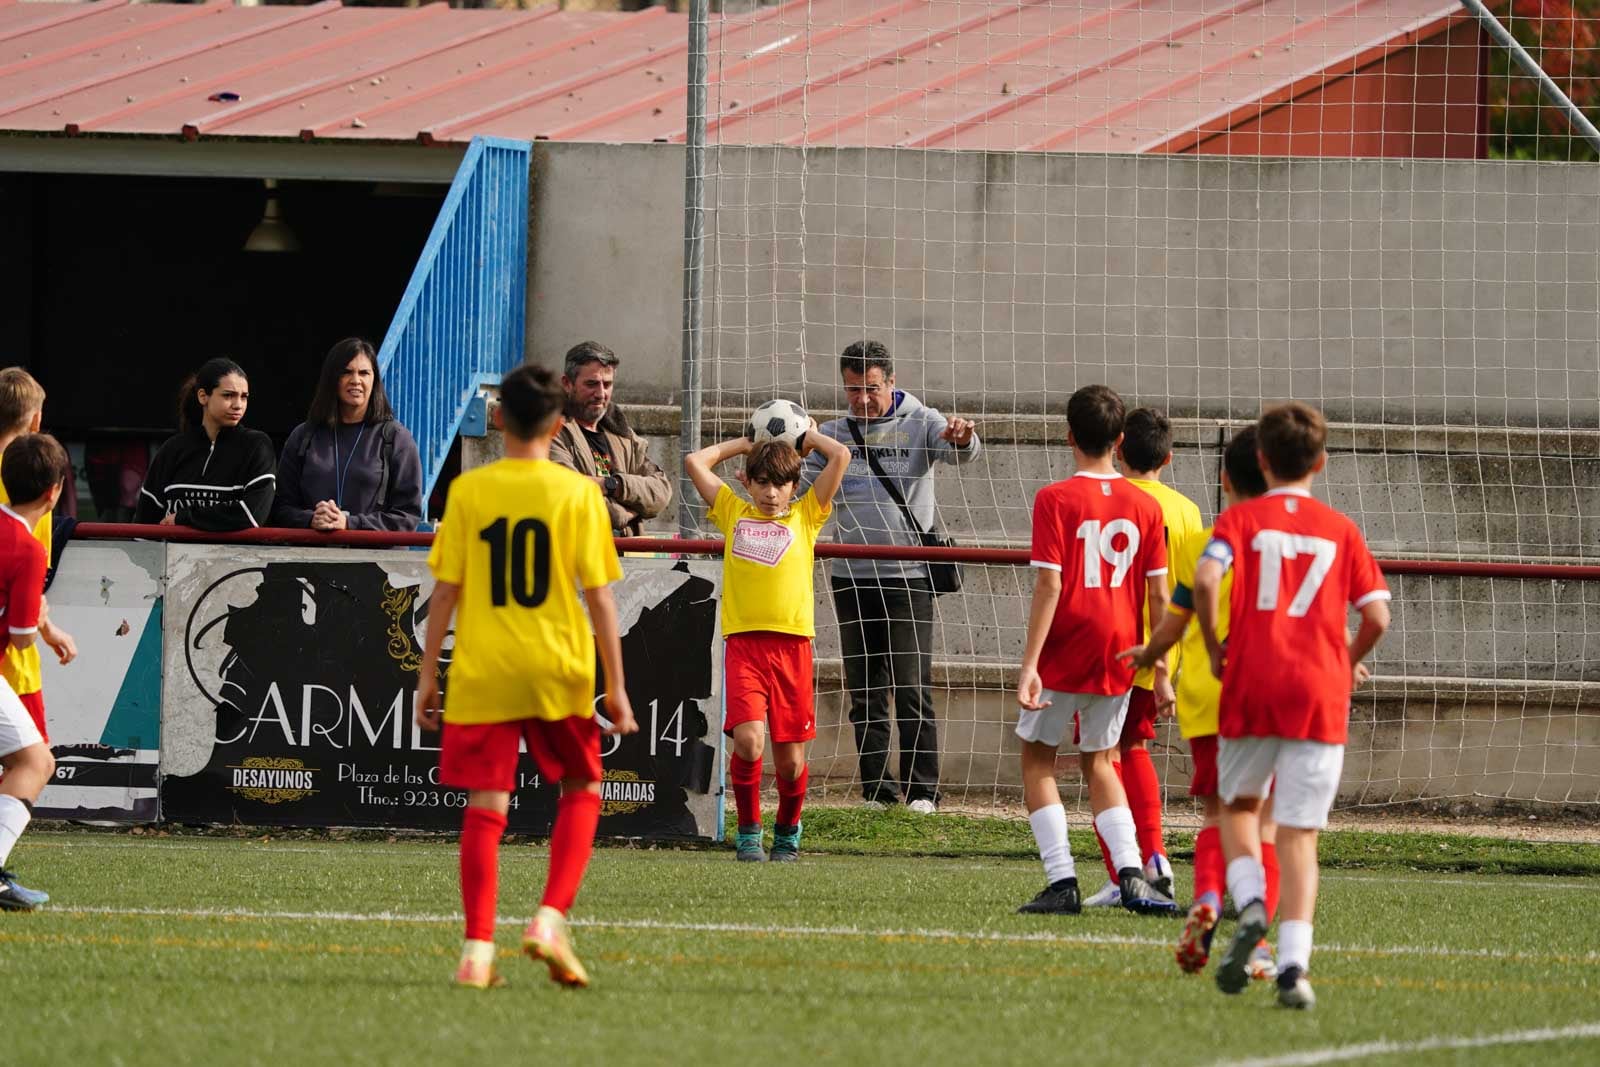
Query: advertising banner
point(104, 709)
point(288, 684)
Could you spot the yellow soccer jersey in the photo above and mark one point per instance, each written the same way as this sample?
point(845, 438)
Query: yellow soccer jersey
point(522, 537)
point(1199, 692)
point(1181, 517)
point(767, 565)
point(20, 666)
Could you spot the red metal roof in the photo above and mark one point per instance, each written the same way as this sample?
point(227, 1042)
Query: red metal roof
point(1074, 75)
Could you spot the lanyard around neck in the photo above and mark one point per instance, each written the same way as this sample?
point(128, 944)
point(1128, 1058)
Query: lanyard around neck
point(338, 472)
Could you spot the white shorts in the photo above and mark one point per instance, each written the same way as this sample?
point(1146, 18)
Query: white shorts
point(1099, 720)
point(1307, 774)
point(17, 731)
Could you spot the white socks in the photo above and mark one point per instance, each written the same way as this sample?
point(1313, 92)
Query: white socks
point(1247, 881)
point(477, 951)
point(14, 816)
point(1050, 831)
point(1116, 827)
point(1294, 944)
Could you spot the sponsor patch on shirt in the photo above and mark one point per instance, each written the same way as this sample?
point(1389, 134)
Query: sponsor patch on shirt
point(761, 542)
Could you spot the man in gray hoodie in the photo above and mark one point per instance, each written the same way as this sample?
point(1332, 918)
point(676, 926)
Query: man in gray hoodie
point(885, 607)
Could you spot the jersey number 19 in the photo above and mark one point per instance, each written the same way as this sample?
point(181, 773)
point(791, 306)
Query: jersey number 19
point(509, 565)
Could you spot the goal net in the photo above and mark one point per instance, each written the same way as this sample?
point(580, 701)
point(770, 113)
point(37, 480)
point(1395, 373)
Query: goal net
point(1209, 206)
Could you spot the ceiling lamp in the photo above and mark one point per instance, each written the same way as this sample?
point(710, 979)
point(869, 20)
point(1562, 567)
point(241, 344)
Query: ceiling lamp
point(272, 234)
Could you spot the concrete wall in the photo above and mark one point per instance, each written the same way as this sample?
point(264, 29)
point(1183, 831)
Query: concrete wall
point(1407, 292)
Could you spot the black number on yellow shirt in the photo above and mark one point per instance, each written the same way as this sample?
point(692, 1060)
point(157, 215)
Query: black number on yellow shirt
point(528, 536)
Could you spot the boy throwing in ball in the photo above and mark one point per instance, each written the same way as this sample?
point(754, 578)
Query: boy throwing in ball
point(768, 608)
point(519, 539)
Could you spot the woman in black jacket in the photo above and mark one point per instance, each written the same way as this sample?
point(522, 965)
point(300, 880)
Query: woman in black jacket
point(350, 465)
point(215, 474)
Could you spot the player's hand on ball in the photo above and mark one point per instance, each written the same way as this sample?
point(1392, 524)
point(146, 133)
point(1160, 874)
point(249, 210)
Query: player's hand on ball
point(804, 445)
point(1358, 674)
point(428, 713)
point(619, 712)
point(1030, 688)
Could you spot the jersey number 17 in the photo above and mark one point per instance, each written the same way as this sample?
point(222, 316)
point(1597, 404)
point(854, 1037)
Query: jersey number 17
point(1275, 546)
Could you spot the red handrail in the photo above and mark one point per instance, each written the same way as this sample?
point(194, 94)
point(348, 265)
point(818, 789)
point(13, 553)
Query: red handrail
point(1438, 568)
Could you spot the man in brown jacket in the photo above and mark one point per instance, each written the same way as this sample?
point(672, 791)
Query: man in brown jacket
point(597, 441)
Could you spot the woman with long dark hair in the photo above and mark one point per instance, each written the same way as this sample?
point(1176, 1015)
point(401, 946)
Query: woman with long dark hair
point(215, 474)
point(350, 465)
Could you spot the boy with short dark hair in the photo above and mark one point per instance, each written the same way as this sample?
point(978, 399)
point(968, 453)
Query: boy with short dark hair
point(1287, 675)
point(21, 411)
point(33, 469)
point(1146, 450)
point(768, 623)
point(1199, 693)
point(519, 539)
point(1101, 562)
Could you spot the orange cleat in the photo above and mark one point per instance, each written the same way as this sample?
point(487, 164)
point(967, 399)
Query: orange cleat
point(546, 939)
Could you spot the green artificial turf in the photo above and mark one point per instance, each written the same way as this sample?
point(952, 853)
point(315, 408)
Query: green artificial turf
point(203, 949)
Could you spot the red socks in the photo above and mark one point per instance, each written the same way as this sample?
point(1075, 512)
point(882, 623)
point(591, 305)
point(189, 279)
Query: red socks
point(571, 844)
point(480, 869)
point(791, 797)
point(1210, 867)
point(746, 778)
point(1144, 799)
point(1269, 862)
point(1105, 851)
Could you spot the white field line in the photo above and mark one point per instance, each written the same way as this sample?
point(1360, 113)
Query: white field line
point(52, 839)
point(1338, 1053)
point(892, 934)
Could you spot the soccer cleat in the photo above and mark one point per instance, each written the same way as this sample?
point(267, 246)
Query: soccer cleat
point(1057, 898)
point(1233, 973)
point(785, 843)
point(1108, 896)
point(1261, 965)
point(1194, 944)
point(546, 939)
point(1158, 872)
point(474, 975)
point(1294, 990)
point(747, 845)
point(17, 897)
point(1140, 897)
point(923, 806)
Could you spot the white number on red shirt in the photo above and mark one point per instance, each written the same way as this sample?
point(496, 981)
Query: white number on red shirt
point(1275, 546)
point(1097, 542)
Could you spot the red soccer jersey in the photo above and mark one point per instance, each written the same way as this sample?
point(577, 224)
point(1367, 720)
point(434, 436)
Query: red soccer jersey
point(23, 562)
point(1298, 565)
point(1105, 537)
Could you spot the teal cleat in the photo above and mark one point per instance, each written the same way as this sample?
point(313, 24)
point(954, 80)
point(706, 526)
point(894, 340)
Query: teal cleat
point(16, 897)
point(747, 845)
point(786, 843)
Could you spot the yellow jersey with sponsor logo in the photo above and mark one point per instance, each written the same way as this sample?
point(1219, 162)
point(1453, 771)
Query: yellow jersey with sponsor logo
point(20, 666)
point(1199, 692)
point(1181, 517)
point(523, 538)
point(767, 564)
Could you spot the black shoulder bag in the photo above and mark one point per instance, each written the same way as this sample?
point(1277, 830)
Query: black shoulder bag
point(944, 576)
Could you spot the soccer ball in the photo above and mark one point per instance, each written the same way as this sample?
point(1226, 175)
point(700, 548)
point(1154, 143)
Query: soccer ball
point(779, 420)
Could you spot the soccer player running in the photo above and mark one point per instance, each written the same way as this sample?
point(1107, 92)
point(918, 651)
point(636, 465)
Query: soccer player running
point(519, 539)
point(33, 468)
point(1145, 452)
point(1199, 694)
point(768, 606)
point(1101, 561)
point(1287, 675)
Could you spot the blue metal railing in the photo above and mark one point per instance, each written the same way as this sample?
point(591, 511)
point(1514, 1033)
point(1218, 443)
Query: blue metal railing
point(460, 324)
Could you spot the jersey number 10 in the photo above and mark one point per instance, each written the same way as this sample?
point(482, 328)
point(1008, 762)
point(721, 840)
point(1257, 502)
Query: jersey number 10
point(509, 565)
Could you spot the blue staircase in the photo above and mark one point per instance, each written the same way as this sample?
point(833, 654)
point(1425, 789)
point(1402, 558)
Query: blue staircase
point(460, 324)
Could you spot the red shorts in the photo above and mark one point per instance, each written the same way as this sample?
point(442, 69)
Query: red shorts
point(767, 677)
point(484, 755)
point(1140, 725)
point(34, 702)
point(1203, 782)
